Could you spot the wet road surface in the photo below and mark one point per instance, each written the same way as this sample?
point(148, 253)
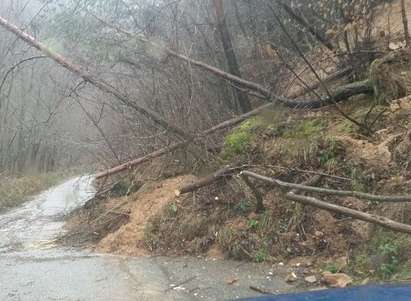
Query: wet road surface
point(33, 268)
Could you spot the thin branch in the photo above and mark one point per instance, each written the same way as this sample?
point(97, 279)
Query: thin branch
point(345, 193)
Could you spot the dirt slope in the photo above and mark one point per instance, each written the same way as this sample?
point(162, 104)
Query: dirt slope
point(128, 239)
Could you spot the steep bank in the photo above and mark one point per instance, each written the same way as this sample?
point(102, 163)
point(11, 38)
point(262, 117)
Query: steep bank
point(219, 220)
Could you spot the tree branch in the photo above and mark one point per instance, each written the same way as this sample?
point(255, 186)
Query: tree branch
point(346, 193)
point(88, 77)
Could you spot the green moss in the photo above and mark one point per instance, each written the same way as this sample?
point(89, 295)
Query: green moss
point(238, 142)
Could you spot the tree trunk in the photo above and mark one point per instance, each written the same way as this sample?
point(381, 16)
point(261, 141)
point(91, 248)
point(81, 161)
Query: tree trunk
point(168, 149)
point(90, 78)
point(405, 23)
point(208, 180)
point(233, 67)
point(311, 201)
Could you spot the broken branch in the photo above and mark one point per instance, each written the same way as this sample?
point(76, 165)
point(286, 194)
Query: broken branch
point(346, 193)
point(173, 147)
point(208, 180)
point(307, 200)
point(371, 218)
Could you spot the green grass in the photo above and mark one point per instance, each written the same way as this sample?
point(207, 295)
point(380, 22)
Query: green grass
point(306, 129)
point(239, 141)
point(384, 257)
point(16, 190)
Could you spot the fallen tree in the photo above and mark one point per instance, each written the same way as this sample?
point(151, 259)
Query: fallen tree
point(294, 195)
point(340, 94)
point(343, 93)
point(312, 201)
point(208, 180)
point(165, 150)
point(345, 193)
point(90, 78)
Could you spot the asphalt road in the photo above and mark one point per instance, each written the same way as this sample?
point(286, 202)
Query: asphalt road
point(33, 268)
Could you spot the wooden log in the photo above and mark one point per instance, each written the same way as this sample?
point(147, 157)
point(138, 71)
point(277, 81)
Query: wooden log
point(344, 193)
point(333, 77)
point(344, 92)
point(208, 180)
point(141, 160)
point(165, 150)
point(312, 201)
point(340, 94)
point(371, 218)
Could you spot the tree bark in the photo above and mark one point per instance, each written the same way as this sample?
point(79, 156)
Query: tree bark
point(259, 208)
point(371, 218)
point(345, 193)
point(233, 67)
point(88, 77)
point(208, 180)
point(405, 23)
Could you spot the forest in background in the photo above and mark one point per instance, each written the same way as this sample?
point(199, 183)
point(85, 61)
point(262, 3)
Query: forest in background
point(51, 119)
point(265, 130)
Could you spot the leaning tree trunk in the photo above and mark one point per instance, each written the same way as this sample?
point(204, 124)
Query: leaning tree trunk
point(90, 78)
point(231, 58)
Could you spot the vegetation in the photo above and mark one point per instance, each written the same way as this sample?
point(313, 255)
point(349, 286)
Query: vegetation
point(296, 90)
point(16, 190)
point(240, 140)
point(385, 257)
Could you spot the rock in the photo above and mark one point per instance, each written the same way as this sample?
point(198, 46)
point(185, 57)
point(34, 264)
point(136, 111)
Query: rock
point(319, 234)
point(310, 279)
point(292, 277)
point(337, 279)
point(231, 281)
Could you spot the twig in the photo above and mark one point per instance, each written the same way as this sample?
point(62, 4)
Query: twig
point(173, 286)
point(260, 290)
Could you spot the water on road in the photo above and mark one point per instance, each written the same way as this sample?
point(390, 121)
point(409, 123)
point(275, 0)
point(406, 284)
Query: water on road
point(33, 268)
